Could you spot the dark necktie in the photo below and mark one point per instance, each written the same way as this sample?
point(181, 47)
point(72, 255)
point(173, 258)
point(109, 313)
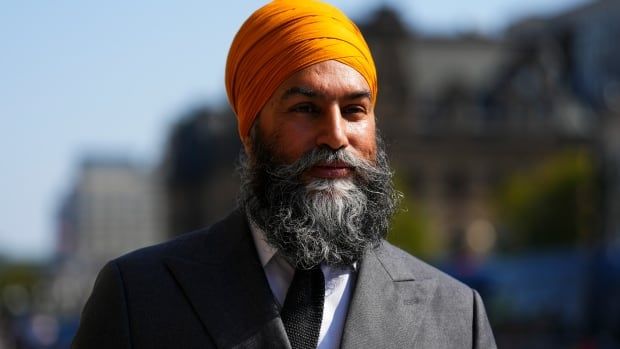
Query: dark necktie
point(303, 308)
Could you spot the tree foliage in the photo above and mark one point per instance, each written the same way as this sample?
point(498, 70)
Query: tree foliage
point(551, 205)
point(410, 227)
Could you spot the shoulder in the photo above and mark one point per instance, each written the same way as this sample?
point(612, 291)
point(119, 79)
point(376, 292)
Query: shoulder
point(453, 312)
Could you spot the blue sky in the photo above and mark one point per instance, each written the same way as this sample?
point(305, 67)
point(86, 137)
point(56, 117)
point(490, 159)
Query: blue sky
point(81, 77)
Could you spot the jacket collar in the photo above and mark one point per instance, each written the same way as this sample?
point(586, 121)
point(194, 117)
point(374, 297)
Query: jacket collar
point(391, 298)
point(224, 282)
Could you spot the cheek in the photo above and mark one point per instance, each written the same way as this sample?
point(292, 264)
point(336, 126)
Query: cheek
point(363, 139)
point(291, 141)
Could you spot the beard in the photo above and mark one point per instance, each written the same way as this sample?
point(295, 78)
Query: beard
point(332, 221)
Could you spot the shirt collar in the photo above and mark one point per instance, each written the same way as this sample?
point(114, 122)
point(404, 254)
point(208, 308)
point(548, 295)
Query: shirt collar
point(265, 251)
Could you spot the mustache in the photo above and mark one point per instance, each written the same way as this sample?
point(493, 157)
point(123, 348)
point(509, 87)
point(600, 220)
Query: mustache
point(363, 168)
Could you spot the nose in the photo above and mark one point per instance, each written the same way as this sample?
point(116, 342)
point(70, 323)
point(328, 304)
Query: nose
point(332, 130)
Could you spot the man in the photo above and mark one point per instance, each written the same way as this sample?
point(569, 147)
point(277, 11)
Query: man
point(302, 263)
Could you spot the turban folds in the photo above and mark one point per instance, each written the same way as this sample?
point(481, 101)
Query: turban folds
point(281, 38)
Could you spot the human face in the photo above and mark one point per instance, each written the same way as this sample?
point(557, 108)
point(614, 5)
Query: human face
point(325, 105)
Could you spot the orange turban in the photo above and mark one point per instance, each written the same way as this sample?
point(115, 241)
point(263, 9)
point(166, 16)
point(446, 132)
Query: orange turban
point(281, 38)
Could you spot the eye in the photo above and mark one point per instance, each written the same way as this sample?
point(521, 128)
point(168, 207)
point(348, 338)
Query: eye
point(305, 108)
point(353, 110)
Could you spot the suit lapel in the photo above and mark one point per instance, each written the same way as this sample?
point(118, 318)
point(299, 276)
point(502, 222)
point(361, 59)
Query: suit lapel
point(389, 303)
point(226, 285)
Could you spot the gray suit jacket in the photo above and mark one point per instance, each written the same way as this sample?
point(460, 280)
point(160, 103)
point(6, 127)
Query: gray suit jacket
point(208, 290)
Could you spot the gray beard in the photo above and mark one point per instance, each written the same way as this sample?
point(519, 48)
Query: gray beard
point(330, 221)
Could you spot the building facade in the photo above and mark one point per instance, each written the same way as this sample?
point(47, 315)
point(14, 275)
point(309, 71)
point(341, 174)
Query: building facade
point(114, 206)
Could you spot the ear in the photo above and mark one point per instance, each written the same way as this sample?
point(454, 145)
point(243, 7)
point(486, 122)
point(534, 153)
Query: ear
point(247, 145)
point(247, 140)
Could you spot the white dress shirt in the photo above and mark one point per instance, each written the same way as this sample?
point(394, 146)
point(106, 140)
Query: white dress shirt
point(338, 288)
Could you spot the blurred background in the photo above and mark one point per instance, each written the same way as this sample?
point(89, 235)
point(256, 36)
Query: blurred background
point(502, 120)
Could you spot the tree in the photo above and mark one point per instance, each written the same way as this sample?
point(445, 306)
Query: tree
point(551, 205)
point(410, 229)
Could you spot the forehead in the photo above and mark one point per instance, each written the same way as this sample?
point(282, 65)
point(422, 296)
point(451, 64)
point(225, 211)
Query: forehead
point(329, 79)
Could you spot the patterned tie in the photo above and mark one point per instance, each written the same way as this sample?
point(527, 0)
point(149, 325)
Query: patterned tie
point(303, 308)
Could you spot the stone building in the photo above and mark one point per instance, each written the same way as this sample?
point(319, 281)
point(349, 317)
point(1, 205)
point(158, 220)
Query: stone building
point(199, 169)
point(471, 112)
point(114, 206)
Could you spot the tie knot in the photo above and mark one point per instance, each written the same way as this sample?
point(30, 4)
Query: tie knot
point(313, 277)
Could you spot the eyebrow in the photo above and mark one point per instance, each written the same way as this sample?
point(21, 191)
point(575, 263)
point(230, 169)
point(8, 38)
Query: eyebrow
point(359, 94)
point(310, 93)
point(298, 90)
